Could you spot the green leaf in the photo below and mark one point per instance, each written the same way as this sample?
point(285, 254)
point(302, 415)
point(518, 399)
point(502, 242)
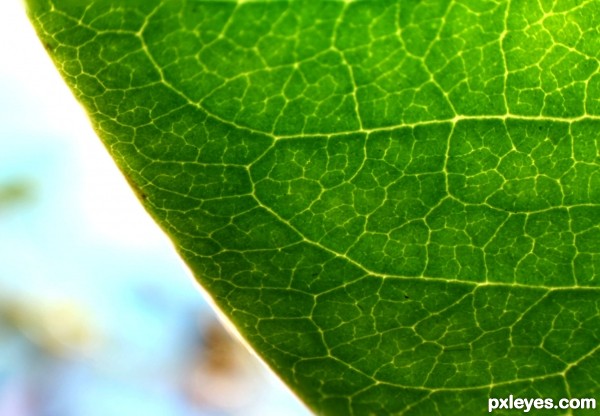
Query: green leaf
point(396, 203)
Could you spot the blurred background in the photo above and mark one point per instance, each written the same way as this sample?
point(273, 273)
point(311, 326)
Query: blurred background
point(98, 316)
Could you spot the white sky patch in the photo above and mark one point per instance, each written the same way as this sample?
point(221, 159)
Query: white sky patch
point(110, 207)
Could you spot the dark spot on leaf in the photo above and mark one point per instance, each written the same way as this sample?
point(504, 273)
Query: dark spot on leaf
point(48, 46)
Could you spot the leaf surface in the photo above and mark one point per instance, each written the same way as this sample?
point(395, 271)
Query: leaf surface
point(396, 203)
